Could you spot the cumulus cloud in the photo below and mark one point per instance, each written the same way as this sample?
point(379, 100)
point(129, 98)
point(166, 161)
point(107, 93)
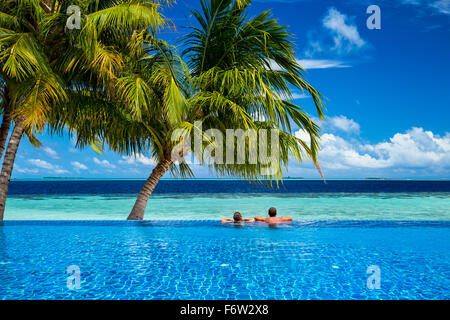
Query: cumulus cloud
point(139, 159)
point(78, 165)
point(338, 124)
point(345, 35)
point(47, 166)
point(339, 36)
point(338, 153)
point(104, 163)
point(41, 163)
point(342, 123)
point(303, 135)
point(413, 149)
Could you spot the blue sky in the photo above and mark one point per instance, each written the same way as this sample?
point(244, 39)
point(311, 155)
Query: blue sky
point(388, 94)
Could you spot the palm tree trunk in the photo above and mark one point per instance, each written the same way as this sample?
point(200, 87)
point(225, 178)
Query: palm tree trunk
point(8, 164)
point(137, 213)
point(4, 129)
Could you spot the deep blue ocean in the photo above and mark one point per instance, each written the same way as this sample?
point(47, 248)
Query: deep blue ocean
point(55, 187)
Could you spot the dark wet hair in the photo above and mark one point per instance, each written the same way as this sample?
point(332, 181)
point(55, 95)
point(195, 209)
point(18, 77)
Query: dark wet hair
point(237, 216)
point(272, 212)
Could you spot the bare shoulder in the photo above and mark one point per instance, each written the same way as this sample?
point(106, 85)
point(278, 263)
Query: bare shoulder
point(260, 219)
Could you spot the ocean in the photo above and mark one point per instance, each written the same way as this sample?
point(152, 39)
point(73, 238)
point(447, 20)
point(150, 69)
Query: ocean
point(211, 199)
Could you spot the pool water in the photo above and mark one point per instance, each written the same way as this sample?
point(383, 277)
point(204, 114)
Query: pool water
point(208, 260)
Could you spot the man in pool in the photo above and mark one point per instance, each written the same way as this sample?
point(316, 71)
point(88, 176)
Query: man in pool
point(273, 217)
point(237, 218)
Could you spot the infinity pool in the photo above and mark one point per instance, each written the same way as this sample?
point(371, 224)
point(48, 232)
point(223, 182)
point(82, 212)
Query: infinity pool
point(207, 260)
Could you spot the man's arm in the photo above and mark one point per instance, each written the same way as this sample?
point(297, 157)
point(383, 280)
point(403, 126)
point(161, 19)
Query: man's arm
point(226, 220)
point(286, 218)
point(260, 219)
point(248, 220)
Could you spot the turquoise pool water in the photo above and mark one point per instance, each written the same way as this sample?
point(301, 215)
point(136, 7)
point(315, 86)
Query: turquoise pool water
point(208, 260)
point(344, 233)
point(301, 206)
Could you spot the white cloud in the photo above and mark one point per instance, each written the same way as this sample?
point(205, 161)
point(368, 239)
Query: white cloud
point(51, 153)
point(48, 166)
point(139, 159)
point(104, 163)
point(345, 35)
point(308, 64)
point(303, 135)
point(296, 96)
point(342, 123)
point(78, 166)
point(259, 117)
point(41, 163)
point(26, 170)
point(338, 38)
point(337, 153)
point(414, 149)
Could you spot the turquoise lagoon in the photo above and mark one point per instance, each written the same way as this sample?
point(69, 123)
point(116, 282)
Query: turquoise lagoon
point(388, 206)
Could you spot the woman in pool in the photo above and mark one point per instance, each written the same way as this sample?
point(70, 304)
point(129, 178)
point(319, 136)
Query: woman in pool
point(237, 218)
point(273, 217)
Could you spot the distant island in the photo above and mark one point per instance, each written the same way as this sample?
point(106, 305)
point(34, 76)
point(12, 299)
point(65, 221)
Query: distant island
point(63, 178)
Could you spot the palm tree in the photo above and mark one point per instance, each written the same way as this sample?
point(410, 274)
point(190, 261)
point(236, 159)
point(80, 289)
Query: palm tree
point(6, 119)
point(239, 71)
point(41, 61)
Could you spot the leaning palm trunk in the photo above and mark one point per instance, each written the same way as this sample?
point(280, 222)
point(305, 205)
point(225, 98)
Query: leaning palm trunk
point(4, 129)
point(137, 213)
point(8, 164)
